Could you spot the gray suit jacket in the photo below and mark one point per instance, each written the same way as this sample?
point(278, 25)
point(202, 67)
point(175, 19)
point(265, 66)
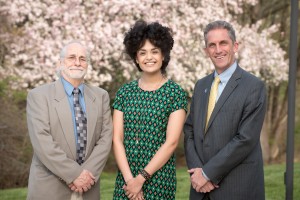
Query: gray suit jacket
point(229, 152)
point(51, 132)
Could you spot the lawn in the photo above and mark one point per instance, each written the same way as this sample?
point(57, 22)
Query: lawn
point(274, 185)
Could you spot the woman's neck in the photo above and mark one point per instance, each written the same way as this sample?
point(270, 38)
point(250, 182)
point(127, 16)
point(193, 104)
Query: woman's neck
point(151, 82)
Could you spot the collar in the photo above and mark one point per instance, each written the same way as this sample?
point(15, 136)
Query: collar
point(225, 76)
point(69, 87)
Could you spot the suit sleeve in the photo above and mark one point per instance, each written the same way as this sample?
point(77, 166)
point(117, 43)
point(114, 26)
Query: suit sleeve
point(46, 149)
point(97, 160)
point(192, 158)
point(246, 138)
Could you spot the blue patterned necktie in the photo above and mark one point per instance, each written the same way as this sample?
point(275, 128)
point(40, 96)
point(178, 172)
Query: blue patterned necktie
point(81, 127)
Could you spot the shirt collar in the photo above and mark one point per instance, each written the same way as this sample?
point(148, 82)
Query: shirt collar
point(69, 87)
point(225, 76)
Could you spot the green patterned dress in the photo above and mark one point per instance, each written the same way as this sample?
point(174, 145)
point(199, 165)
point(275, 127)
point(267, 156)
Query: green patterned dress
point(146, 116)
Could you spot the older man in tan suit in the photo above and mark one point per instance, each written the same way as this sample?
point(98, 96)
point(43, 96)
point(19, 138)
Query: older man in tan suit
point(70, 128)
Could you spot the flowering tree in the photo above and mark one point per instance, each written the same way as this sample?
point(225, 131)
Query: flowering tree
point(38, 30)
point(45, 26)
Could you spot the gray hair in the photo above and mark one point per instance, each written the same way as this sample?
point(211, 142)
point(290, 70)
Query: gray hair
point(219, 25)
point(64, 51)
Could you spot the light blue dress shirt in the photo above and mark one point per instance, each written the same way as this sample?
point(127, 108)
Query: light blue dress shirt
point(224, 77)
point(69, 89)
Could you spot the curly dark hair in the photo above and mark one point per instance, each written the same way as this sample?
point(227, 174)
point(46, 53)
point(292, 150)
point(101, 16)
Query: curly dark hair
point(160, 36)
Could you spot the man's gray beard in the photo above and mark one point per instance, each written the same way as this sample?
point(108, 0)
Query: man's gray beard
point(66, 72)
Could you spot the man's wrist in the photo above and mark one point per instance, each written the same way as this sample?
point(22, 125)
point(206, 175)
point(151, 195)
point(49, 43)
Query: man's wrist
point(204, 175)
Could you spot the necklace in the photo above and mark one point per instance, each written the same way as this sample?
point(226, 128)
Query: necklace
point(156, 86)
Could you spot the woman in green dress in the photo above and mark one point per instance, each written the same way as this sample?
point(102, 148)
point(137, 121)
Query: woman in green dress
point(148, 118)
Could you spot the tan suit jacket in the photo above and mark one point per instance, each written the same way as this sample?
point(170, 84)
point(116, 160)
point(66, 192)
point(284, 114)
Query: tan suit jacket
point(51, 131)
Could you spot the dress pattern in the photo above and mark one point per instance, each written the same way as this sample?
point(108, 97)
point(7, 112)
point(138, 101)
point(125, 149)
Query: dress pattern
point(146, 116)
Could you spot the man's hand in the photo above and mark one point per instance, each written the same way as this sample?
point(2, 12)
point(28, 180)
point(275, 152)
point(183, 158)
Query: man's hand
point(199, 182)
point(209, 186)
point(197, 179)
point(83, 182)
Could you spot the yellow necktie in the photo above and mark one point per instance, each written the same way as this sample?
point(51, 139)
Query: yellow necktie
point(212, 98)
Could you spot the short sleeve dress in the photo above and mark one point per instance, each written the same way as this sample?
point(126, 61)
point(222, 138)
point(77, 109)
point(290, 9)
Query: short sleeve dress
point(146, 116)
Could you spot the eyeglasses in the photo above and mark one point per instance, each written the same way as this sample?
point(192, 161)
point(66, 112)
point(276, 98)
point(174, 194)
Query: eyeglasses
point(73, 59)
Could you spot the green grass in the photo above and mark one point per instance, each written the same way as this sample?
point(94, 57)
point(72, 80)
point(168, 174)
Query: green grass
point(274, 182)
point(274, 185)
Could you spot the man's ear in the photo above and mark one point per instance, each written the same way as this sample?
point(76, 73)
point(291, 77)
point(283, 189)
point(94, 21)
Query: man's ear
point(235, 47)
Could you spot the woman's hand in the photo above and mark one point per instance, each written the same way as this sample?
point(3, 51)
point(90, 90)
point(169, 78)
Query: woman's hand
point(140, 196)
point(133, 189)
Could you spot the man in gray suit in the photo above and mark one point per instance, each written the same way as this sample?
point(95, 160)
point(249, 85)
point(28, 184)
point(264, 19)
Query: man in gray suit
point(70, 128)
point(222, 131)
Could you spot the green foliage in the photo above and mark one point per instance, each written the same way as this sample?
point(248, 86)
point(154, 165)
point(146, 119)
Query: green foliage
point(19, 96)
point(297, 141)
point(7, 94)
point(274, 185)
point(14, 141)
point(3, 87)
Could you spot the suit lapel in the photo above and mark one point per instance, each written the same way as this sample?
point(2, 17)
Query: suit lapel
point(65, 117)
point(91, 113)
point(204, 100)
point(230, 86)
